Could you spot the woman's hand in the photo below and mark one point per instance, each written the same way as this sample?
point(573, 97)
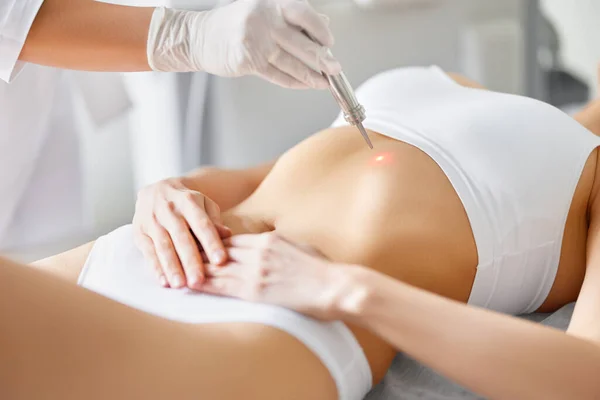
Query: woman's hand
point(169, 221)
point(266, 268)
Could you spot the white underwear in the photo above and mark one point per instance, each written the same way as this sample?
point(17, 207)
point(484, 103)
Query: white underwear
point(116, 269)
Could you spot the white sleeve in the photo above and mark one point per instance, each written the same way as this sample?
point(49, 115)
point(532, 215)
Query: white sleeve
point(16, 17)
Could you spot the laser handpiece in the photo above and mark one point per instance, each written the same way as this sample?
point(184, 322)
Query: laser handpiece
point(340, 88)
point(354, 112)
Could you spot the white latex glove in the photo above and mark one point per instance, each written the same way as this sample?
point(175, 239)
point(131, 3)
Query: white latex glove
point(246, 37)
point(266, 268)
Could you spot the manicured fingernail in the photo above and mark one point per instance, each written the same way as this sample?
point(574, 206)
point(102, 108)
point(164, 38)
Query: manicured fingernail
point(219, 256)
point(177, 281)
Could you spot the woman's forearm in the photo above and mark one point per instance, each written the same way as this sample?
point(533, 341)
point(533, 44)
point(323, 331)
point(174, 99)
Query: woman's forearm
point(89, 35)
point(498, 356)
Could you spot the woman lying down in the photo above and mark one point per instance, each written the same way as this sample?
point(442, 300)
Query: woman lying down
point(480, 197)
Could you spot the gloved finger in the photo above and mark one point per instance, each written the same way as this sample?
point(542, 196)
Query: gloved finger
point(325, 20)
point(167, 256)
point(289, 64)
point(310, 53)
point(282, 79)
point(185, 246)
point(146, 246)
point(304, 16)
point(204, 230)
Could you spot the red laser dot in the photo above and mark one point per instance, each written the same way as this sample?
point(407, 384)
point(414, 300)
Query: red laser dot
point(379, 158)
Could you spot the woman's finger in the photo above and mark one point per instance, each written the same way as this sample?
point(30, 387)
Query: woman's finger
point(204, 229)
point(243, 255)
point(222, 286)
point(249, 240)
point(185, 247)
point(231, 269)
point(213, 211)
point(205, 259)
point(224, 232)
point(309, 249)
point(146, 246)
point(165, 250)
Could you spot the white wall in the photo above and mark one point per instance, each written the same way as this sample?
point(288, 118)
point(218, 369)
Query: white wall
point(108, 187)
point(578, 25)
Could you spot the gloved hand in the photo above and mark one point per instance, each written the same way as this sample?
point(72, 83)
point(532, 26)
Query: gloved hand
point(246, 37)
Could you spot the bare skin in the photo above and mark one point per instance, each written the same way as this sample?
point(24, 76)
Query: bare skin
point(89, 35)
point(330, 192)
point(60, 341)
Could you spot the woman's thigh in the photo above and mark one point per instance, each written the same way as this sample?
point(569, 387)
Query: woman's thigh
point(95, 348)
point(67, 265)
point(220, 360)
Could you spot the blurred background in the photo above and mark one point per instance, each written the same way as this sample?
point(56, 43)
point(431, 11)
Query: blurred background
point(140, 128)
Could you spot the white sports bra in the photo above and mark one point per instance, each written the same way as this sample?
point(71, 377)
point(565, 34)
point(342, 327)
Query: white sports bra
point(514, 162)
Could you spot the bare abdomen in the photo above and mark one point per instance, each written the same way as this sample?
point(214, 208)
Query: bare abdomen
point(400, 216)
